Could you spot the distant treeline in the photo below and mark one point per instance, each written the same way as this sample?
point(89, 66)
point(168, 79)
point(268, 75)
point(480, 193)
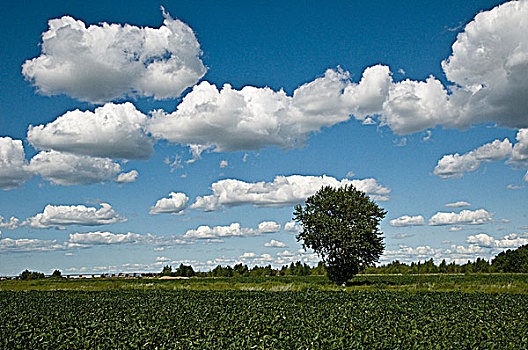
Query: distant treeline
point(510, 261)
point(240, 270)
point(514, 261)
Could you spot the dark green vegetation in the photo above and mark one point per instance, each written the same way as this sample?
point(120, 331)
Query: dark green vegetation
point(512, 260)
point(341, 226)
point(262, 320)
point(486, 283)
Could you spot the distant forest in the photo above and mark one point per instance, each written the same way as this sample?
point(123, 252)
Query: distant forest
point(509, 261)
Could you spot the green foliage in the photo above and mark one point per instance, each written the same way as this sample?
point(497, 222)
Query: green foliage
point(30, 275)
point(341, 225)
point(512, 260)
point(478, 266)
point(56, 274)
point(262, 320)
point(184, 271)
point(167, 270)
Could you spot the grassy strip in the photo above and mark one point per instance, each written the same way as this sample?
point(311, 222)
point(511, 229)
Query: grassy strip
point(482, 283)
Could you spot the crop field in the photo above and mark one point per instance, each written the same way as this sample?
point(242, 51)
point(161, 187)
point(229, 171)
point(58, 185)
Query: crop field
point(374, 312)
point(262, 320)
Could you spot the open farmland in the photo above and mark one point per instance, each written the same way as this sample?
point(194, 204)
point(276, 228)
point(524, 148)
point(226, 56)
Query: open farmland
point(267, 314)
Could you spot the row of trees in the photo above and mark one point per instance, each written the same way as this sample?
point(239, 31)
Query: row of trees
point(504, 263)
point(242, 270)
point(509, 261)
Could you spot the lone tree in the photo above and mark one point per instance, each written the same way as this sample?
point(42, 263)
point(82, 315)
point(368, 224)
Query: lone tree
point(341, 225)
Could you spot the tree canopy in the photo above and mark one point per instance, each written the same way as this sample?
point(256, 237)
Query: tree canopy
point(512, 260)
point(341, 225)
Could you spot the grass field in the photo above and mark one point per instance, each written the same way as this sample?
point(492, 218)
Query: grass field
point(486, 283)
point(375, 312)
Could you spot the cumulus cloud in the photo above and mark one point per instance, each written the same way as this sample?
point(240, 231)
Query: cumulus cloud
point(490, 64)
point(455, 165)
point(69, 169)
point(269, 227)
point(109, 238)
point(30, 245)
point(110, 131)
point(87, 240)
point(124, 178)
point(476, 217)
point(64, 215)
point(233, 230)
point(292, 227)
point(175, 204)
point(93, 238)
point(13, 164)
point(104, 62)
point(224, 163)
point(487, 74)
point(10, 224)
point(229, 120)
point(458, 204)
point(282, 191)
point(226, 119)
point(406, 220)
point(520, 150)
point(274, 244)
point(511, 240)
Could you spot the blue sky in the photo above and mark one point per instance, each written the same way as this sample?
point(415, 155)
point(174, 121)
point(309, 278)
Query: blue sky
point(138, 134)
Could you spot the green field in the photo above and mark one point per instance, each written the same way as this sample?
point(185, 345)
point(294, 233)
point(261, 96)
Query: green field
point(380, 312)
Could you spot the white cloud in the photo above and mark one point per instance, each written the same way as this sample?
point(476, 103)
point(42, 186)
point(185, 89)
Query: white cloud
point(175, 204)
point(233, 230)
point(455, 228)
point(292, 227)
point(455, 165)
point(13, 164)
point(110, 131)
point(112, 61)
point(228, 120)
point(406, 220)
point(511, 240)
point(402, 236)
point(274, 244)
point(124, 178)
point(487, 74)
point(269, 227)
point(283, 191)
point(520, 150)
point(458, 204)
point(517, 187)
point(87, 240)
point(95, 238)
point(224, 163)
point(252, 118)
point(69, 169)
point(63, 215)
point(107, 238)
point(30, 245)
point(10, 224)
point(490, 64)
point(476, 217)
point(526, 177)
